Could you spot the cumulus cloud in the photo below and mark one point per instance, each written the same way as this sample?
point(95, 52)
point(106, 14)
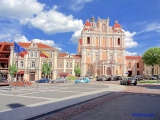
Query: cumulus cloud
point(53, 21)
point(129, 39)
point(78, 4)
point(130, 53)
point(75, 37)
point(22, 10)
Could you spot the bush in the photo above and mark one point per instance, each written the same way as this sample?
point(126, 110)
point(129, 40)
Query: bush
point(71, 78)
point(148, 81)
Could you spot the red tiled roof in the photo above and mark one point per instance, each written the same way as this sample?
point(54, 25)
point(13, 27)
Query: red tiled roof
point(117, 25)
point(80, 41)
point(62, 54)
point(87, 24)
point(133, 57)
point(39, 45)
point(76, 56)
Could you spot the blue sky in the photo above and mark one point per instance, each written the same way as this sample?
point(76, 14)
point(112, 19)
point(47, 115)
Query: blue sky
point(58, 23)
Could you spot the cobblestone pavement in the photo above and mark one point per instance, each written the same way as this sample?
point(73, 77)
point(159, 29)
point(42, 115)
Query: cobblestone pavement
point(30, 95)
point(140, 100)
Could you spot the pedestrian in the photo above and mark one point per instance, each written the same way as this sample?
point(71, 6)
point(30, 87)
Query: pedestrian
point(14, 79)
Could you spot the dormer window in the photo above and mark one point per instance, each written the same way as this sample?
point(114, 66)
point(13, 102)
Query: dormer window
point(88, 40)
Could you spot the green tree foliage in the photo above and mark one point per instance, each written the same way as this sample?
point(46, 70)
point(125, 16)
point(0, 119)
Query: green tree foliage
point(152, 57)
point(12, 69)
point(77, 70)
point(46, 69)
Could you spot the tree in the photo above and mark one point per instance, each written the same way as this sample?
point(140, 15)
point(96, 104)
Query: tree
point(152, 57)
point(12, 70)
point(77, 70)
point(46, 69)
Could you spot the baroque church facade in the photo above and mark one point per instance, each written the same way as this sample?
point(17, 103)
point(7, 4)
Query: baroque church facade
point(102, 48)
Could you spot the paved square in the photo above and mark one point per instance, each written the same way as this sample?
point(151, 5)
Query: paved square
point(30, 95)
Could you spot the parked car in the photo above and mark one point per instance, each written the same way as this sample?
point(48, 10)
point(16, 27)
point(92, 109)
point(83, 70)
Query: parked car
point(128, 81)
point(103, 78)
point(82, 80)
point(153, 77)
point(59, 80)
point(111, 78)
point(118, 78)
point(43, 80)
point(139, 77)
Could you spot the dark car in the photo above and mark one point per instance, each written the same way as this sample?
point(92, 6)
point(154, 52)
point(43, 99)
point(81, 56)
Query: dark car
point(103, 78)
point(43, 80)
point(128, 81)
point(118, 78)
point(111, 78)
point(60, 80)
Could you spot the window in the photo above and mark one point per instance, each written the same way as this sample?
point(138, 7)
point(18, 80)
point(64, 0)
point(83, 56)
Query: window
point(138, 73)
point(21, 64)
point(88, 54)
point(33, 64)
point(103, 27)
point(97, 58)
point(35, 54)
point(118, 41)
point(70, 71)
point(50, 53)
point(129, 65)
point(50, 64)
point(88, 40)
point(111, 57)
point(70, 65)
point(67, 65)
point(137, 65)
point(60, 64)
point(31, 54)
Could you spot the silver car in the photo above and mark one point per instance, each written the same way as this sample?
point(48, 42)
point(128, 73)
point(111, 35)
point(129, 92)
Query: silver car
point(59, 80)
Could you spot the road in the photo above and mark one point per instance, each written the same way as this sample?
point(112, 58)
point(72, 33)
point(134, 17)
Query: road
point(141, 102)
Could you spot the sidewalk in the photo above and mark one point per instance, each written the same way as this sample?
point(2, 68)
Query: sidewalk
point(30, 111)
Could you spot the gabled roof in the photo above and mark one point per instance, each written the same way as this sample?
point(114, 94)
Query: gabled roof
point(76, 56)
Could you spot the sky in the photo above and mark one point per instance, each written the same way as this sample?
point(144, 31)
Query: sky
point(58, 23)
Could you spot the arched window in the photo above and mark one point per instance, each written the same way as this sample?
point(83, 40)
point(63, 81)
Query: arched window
point(129, 65)
point(33, 64)
point(88, 40)
point(118, 41)
point(103, 27)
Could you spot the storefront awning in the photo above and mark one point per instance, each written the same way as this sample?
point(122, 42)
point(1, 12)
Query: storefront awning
point(63, 74)
point(21, 72)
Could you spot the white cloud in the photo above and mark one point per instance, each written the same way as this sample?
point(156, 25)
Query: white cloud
point(129, 39)
point(78, 4)
point(130, 53)
point(20, 38)
point(151, 27)
point(22, 10)
point(75, 37)
point(53, 21)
